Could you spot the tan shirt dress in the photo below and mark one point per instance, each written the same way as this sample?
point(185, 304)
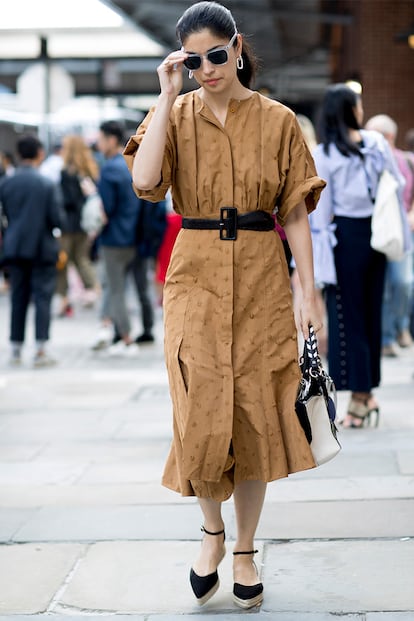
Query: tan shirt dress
point(230, 338)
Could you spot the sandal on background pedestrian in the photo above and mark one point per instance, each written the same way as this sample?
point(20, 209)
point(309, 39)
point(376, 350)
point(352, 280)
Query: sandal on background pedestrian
point(247, 596)
point(389, 351)
point(404, 339)
point(204, 587)
point(360, 410)
point(66, 310)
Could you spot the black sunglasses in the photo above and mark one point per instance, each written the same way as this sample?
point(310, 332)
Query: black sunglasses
point(219, 56)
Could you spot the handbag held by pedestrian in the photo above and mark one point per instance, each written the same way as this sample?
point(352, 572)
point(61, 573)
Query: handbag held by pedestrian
point(316, 404)
point(387, 224)
point(92, 217)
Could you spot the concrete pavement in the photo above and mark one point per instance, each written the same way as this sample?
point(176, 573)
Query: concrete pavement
point(87, 530)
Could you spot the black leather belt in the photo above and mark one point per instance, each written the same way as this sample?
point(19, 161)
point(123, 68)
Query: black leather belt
point(229, 223)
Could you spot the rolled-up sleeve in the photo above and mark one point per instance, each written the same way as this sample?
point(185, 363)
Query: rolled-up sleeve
point(159, 191)
point(298, 174)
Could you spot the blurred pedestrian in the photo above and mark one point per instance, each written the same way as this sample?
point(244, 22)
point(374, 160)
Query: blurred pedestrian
point(78, 177)
point(309, 135)
point(151, 227)
point(118, 238)
point(398, 291)
point(351, 160)
point(7, 169)
point(7, 164)
point(230, 156)
point(32, 209)
point(174, 223)
point(52, 166)
point(409, 142)
point(308, 131)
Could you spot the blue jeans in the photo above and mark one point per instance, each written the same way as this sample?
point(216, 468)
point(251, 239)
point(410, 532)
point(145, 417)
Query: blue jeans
point(398, 298)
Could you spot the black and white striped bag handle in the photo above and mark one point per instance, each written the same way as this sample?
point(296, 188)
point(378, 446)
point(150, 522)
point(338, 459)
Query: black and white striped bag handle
point(311, 345)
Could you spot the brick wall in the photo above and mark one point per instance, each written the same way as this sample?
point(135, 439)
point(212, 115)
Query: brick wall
point(385, 67)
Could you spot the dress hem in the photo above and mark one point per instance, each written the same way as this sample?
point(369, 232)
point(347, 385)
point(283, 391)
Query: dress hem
point(177, 489)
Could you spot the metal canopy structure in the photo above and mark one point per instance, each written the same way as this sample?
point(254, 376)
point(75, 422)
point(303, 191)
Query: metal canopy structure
point(292, 39)
point(74, 29)
point(52, 50)
point(293, 42)
point(93, 40)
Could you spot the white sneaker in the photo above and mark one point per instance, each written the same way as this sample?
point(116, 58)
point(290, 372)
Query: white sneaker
point(104, 339)
point(122, 350)
point(43, 360)
point(89, 298)
point(15, 360)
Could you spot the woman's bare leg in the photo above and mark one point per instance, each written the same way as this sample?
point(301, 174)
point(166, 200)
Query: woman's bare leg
point(212, 546)
point(248, 502)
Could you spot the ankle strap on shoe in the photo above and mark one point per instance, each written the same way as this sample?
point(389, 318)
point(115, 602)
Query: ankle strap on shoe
point(249, 552)
point(219, 532)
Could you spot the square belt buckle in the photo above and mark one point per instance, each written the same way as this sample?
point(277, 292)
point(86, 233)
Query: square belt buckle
point(228, 223)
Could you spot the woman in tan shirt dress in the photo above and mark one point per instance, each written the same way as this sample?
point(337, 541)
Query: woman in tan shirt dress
point(230, 339)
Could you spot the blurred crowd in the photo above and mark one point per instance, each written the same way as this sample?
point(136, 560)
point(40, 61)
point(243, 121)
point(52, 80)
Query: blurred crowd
point(72, 220)
point(74, 231)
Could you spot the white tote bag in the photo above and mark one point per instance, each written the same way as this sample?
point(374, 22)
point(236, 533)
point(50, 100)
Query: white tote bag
point(387, 234)
point(92, 215)
point(316, 404)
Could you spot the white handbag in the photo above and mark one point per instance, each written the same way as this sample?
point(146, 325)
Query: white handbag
point(92, 215)
point(316, 404)
point(387, 234)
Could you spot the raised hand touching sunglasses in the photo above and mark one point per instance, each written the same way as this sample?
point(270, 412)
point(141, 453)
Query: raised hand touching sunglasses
point(170, 74)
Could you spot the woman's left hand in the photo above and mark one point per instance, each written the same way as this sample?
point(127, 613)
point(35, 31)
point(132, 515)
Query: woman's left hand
point(310, 314)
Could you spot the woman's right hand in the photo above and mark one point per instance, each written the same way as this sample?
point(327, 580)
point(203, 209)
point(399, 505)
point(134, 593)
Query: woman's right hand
point(170, 73)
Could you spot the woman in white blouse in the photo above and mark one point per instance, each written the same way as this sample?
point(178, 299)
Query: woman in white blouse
point(351, 160)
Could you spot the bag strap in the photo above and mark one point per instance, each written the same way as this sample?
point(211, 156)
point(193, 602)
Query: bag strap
point(311, 349)
point(313, 364)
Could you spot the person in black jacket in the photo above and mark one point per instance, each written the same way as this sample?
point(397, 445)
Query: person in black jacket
point(31, 207)
point(150, 231)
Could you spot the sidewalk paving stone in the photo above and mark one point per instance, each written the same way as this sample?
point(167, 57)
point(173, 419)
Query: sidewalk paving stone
point(406, 461)
point(11, 520)
point(339, 576)
point(128, 577)
point(234, 616)
point(23, 496)
point(78, 617)
point(45, 472)
point(338, 519)
point(179, 522)
point(31, 574)
point(341, 519)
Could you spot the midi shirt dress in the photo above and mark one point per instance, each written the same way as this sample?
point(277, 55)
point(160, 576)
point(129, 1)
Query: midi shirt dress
point(230, 338)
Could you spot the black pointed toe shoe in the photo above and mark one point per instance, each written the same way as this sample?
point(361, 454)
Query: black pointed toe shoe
point(247, 596)
point(204, 587)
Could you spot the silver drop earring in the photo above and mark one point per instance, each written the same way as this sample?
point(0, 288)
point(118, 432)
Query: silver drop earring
point(240, 62)
point(190, 74)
